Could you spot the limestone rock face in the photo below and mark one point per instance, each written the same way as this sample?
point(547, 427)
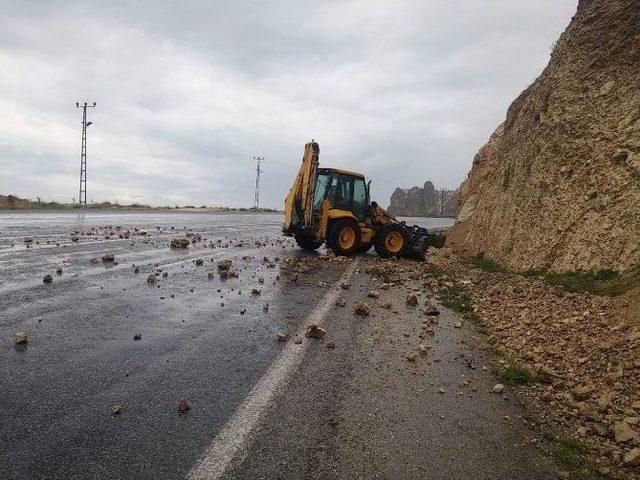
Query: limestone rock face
point(558, 183)
point(425, 201)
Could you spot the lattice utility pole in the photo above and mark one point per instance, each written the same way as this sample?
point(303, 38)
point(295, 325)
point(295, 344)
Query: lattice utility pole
point(256, 200)
point(82, 199)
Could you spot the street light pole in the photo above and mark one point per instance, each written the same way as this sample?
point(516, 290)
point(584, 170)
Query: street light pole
point(82, 199)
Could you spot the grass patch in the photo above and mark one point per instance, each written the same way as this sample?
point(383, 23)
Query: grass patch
point(457, 299)
point(487, 264)
point(516, 376)
point(601, 282)
point(432, 270)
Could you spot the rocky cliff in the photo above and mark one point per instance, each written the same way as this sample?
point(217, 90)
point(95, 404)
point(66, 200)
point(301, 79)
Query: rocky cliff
point(558, 183)
point(425, 201)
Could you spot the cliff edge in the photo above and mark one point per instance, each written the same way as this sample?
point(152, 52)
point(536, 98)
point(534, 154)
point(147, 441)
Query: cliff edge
point(425, 201)
point(558, 184)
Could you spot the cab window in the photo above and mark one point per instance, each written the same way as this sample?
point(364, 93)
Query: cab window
point(359, 198)
point(343, 192)
point(321, 188)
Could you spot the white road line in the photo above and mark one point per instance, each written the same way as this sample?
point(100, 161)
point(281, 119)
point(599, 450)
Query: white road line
point(234, 436)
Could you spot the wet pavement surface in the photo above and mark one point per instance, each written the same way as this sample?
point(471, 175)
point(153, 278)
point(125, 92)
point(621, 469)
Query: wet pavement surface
point(359, 410)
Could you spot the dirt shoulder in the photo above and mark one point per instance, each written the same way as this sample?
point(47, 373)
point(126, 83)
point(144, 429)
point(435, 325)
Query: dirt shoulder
point(576, 355)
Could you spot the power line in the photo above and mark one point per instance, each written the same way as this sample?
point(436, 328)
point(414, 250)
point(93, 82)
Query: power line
point(82, 199)
point(256, 200)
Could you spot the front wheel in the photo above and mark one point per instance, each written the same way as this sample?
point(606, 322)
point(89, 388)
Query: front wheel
point(344, 238)
point(390, 241)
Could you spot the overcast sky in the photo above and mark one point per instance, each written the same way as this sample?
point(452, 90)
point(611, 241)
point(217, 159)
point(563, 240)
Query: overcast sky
point(189, 91)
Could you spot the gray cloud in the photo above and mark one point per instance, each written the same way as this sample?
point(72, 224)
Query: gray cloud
point(189, 92)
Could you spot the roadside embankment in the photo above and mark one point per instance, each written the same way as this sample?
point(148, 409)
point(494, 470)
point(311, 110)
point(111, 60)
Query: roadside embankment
point(576, 354)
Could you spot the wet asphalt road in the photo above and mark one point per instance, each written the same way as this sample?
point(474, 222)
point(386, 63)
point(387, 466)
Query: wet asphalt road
point(357, 411)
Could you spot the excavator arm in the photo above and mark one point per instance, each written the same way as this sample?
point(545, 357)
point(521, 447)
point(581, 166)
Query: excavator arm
point(298, 206)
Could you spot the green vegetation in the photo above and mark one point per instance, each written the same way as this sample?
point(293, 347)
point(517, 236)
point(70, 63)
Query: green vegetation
point(432, 270)
point(601, 282)
point(516, 376)
point(487, 264)
point(457, 299)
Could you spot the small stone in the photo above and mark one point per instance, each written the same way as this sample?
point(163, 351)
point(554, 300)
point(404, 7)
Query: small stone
point(137, 337)
point(441, 391)
point(386, 304)
point(362, 308)
point(424, 349)
point(345, 285)
point(179, 243)
point(412, 300)
point(632, 458)
point(199, 261)
point(108, 258)
point(256, 291)
point(498, 388)
point(282, 337)
point(373, 294)
point(183, 405)
point(331, 344)
point(116, 409)
point(59, 271)
point(457, 324)
point(152, 279)
point(47, 279)
point(622, 432)
point(314, 331)
point(340, 302)
point(22, 338)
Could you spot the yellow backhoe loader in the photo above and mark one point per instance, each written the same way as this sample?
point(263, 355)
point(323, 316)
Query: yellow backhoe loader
point(332, 206)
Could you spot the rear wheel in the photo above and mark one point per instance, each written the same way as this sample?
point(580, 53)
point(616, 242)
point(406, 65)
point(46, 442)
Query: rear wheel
point(307, 242)
point(344, 238)
point(390, 241)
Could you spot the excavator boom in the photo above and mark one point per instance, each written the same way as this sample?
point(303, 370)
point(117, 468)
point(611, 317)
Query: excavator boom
point(298, 204)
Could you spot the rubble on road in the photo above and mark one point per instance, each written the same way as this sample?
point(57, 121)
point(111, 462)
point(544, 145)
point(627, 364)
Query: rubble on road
point(108, 258)
point(498, 388)
point(152, 279)
point(116, 409)
point(22, 338)
point(282, 337)
point(412, 300)
point(341, 302)
point(179, 242)
point(373, 294)
point(47, 279)
point(314, 331)
point(183, 405)
point(362, 308)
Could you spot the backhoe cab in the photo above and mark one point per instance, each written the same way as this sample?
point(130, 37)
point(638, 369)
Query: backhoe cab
point(332, 206)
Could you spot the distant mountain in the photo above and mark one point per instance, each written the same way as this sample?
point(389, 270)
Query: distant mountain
point(425, 201)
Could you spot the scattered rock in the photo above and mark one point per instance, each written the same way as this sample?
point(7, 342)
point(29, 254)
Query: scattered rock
point(314, 331)
point(152, 279)
point(345, 285)
point(47, 279)
point(340, 302)
point(183, 405)
point(622, 432)
point(22, 338)
point(199, 262)
point(386, 304)
point(498, 388)
point(362, 308)
point(331, 344)
point(373, 294)
point(412, 300)
point(282, 337)
point(457, 324)
point(116, 409)
point(137, 337)
point(179, 242)
point(108, 258)
point(632, 458)
point(59, 271)
point(431, 310)
point(256, 291)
